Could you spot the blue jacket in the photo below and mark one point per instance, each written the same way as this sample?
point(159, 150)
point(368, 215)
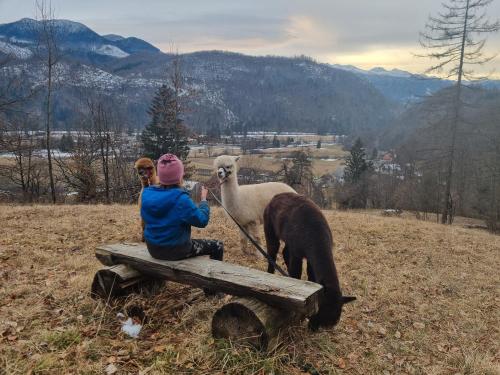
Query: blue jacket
point(168, 215)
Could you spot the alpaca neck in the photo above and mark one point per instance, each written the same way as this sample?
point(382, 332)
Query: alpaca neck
point(230, 190)
point(326, 275)
point(331, 282)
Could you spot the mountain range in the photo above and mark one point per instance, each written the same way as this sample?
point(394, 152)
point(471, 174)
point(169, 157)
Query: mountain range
point(231, 90)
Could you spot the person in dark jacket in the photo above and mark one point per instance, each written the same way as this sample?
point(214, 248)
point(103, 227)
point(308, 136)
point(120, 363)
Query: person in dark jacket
point(168, 213)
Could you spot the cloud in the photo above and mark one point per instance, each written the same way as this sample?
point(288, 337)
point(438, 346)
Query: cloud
point(363, 32)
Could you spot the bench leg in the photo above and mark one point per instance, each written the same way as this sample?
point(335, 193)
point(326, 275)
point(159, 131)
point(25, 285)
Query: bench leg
point(250, 322)
point(120, 280)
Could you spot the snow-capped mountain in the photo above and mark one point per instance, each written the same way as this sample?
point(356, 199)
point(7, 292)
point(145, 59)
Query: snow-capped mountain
point(231, 89)
point(71, 37)
point(398, 85)
point(15, 50)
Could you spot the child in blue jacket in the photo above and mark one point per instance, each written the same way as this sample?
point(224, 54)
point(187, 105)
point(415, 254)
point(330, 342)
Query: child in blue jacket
point(168, 213)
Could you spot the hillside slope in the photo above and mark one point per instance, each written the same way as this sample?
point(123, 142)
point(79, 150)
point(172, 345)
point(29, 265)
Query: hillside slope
point(230, 90)
point(427, 301)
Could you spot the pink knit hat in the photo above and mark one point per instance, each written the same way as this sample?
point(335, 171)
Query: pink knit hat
point(170, 169)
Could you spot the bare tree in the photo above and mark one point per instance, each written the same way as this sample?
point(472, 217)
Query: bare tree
point(102, 134)
point(48, 50)
point(13, 88)
point(453, 39)
point(79, 171)
point(24, 170)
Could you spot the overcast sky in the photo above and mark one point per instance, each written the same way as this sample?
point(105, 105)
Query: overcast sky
point(365, 33)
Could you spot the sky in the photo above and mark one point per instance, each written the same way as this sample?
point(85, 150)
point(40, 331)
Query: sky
point(364, 33)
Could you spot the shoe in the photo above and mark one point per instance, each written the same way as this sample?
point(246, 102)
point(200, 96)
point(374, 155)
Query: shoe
point(212, 293)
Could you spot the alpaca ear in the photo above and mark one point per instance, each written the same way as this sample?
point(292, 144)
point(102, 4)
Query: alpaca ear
point(236, 158)
point(347, 299)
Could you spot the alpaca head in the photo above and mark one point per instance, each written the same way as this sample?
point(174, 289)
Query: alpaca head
point(226, 167)
point(145, 169)
point(329, 311)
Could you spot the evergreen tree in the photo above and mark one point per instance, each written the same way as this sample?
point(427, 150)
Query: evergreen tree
point(356, 163)
point(318, 145)
point(299, 172)
point(66, 143)
point(354, 192)
point(166, 132)
point(276, 141)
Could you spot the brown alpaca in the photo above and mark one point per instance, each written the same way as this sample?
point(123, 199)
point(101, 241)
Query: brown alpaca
point(298, 222)
point(147, 174)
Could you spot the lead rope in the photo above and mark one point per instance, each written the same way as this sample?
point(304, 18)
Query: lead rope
point(255, 243)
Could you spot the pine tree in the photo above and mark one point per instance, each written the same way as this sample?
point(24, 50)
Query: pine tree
point(356, 163)
point(298, 172)
point(66, 143)
point(276, 141)
point(166, 133)
point(355, 191)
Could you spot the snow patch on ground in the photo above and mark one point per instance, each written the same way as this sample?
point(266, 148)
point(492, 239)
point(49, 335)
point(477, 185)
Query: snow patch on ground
point(19, 52)
point(110, 50)
point(14, 39)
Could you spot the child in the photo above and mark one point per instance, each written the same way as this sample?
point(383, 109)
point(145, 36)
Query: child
point(169, 213)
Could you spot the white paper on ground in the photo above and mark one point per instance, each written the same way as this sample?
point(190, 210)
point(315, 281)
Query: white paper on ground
point(130, 328)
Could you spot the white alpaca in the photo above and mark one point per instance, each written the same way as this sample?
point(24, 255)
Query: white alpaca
point(245, 203)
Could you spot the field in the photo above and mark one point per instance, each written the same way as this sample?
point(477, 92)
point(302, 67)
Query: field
point(428, 301)
point(325, 160)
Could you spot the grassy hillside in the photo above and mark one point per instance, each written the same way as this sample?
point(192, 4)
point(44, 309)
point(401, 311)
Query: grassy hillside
point(428, 301)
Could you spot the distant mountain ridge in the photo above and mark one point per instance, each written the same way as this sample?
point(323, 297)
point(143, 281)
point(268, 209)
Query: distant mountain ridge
point(398, 85)
point(404, 87)
point(71, 35)
point(232, 91)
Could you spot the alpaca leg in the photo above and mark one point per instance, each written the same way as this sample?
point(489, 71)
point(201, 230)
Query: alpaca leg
point(310, 273)
point(272, 244)
point(244, 241)
point(254, 232)
point(286, 256)
point(295, 267)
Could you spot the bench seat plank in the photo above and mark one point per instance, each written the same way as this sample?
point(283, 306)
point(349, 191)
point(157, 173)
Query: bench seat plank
point(282, 292)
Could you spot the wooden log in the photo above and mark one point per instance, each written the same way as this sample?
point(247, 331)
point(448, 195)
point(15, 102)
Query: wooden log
point(120, 280)
point(250, 322)
point(282, 292)
point(476, 226)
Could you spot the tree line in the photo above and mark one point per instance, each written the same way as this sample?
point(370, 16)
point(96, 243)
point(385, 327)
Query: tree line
point(449, 167)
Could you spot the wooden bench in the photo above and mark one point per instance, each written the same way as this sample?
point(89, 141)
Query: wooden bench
point(268, 302)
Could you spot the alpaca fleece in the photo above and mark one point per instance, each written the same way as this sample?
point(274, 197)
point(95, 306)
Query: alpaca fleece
point(146, 172)
point(300, 224)
point(245, 203)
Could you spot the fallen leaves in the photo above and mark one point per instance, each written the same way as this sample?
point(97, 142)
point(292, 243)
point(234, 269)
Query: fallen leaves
point(10, 330)
point(111, 369)
point(341, 363)
point(394, 328)
point(419, 325)
point(159, 348)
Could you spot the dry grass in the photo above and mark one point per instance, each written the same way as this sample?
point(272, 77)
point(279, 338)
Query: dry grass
point(271, 160)
point(428, 301)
